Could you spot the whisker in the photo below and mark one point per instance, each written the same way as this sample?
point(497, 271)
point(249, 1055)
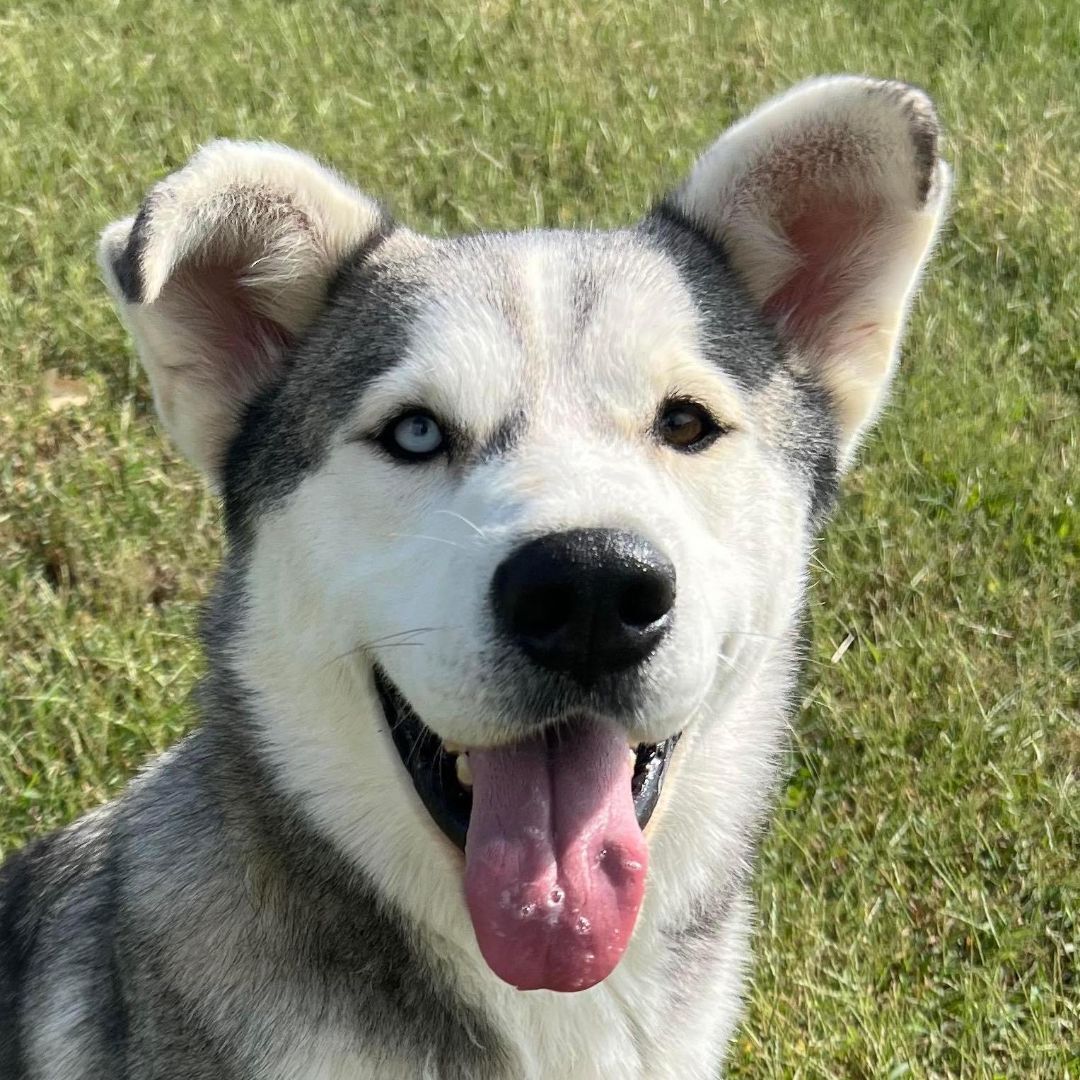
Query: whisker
point(461, 517)
point(367, 648)
point(731, 664)
point(387, 641)
point(425, 536)
point(415, 749)
point(401, 633)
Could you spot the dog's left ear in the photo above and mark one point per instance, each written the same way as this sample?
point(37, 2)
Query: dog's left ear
point(827, 201)
point(225, 265)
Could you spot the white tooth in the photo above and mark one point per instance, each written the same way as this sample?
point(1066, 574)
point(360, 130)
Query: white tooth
point(464, 773)
point(632, 754)
point(453, 748)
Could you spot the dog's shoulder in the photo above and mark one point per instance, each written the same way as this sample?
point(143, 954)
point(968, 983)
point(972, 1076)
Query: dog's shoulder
point(22, 877)
point(48, 890)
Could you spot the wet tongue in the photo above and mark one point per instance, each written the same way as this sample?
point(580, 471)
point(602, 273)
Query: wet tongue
point(554, 859)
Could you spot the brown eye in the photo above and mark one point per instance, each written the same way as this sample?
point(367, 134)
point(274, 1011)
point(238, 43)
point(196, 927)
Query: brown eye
point(687, 426)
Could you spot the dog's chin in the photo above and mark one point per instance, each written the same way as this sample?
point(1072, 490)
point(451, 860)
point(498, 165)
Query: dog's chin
point(440, 770)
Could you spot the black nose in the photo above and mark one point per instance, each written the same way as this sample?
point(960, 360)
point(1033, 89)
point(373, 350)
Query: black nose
point(588, 602)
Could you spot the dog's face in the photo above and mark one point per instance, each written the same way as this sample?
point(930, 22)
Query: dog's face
point(545, 501)
point(550, 497)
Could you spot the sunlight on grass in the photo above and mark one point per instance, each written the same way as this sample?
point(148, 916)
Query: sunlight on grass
point(918, 890)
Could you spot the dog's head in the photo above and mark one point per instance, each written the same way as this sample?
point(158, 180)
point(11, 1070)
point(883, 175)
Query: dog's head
point(544, 497)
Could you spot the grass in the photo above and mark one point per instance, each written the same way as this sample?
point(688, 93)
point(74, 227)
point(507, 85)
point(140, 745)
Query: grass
point(918, 892)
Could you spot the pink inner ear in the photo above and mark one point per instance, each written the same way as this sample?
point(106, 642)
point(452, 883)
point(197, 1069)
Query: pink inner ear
point(832, 243)
point(239, 347)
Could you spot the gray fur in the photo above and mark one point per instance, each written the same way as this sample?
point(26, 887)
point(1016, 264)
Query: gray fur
point(209, 924)
point(209, 837)
point(209, 832)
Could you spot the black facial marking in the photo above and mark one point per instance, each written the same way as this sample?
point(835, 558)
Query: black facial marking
point(127, 266)
point(741, 342)
point(284, 434)
point(359, 255)
point(504, 438)
point(737, 338)
point(366, 326)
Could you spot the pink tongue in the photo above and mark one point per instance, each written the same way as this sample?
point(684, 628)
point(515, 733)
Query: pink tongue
point(554, 859)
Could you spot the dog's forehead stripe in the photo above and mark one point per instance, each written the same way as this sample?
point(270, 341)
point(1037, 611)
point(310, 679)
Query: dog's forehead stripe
point(539, 320)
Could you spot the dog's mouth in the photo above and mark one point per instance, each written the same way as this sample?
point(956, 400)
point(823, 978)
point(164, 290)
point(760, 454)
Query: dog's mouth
point(442, 774)
point(552, 833)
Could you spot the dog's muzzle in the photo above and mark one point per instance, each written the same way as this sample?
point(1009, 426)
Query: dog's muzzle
point(552, 823)
point(552, 829)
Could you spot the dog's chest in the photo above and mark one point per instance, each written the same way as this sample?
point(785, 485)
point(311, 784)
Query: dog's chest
point(578, 1036)
point(629, 1026)
point(566, 1052)
point(549, 1037)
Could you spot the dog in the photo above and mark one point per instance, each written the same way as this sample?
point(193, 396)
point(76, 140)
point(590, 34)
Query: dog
point(505, 643)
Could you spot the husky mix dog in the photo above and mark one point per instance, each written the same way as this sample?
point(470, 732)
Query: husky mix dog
point(504, 646)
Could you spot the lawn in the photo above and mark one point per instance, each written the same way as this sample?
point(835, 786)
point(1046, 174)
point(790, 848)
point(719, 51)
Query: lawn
point(918, 891)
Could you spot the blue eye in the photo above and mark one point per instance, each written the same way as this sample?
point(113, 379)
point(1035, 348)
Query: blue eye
point(415, 436)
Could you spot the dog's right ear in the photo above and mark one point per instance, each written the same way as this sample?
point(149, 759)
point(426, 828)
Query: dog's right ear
point(224, 266)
